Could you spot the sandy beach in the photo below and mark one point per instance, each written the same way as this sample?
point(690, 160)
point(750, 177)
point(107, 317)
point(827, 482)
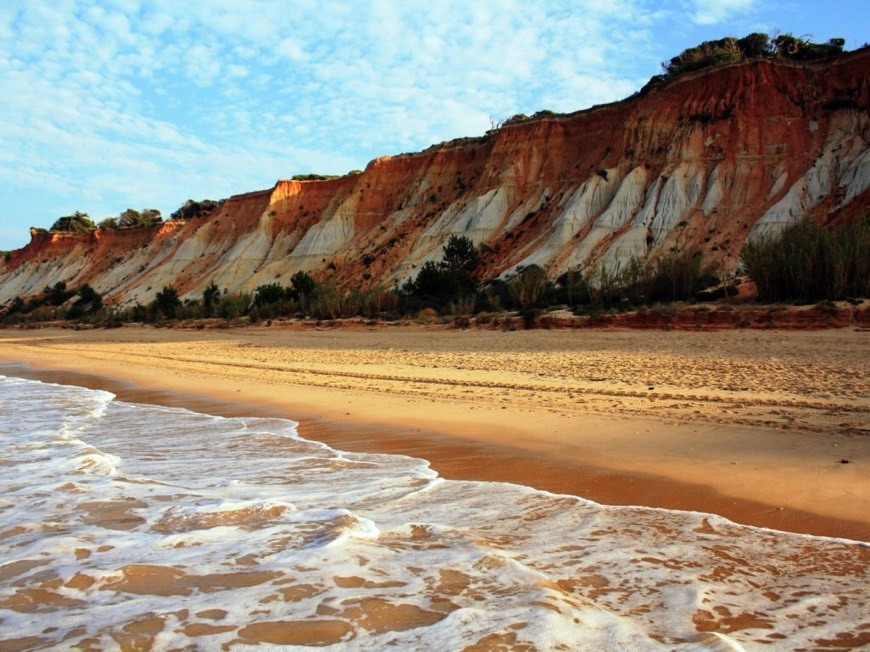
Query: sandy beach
point(767, 428)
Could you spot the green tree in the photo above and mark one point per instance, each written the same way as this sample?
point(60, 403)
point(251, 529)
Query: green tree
point(17, 305)
point(132, 218)
point(210, 297)
point(313, 177)
point(756, 45)
point(269, 293)
point(460, 254)
point(433, 281)
point(193, 209)
point(167, 302)
point(76, 223)
point(303, 283)
point(56, 294)
point(89, 301)
point(90, 296)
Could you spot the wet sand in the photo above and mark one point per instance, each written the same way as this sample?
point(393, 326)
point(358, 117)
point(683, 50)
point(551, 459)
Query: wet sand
point(754, 426)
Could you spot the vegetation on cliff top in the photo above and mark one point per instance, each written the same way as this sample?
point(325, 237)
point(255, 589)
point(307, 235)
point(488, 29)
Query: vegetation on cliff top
point(724, 51)
point(131, 218)
point(720, 52)
point(314, 177)
point(80, 222)
point(76, 223)
point(192, 209)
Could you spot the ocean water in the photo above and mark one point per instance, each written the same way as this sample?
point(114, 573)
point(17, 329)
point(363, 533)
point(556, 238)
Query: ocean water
point(126, 526)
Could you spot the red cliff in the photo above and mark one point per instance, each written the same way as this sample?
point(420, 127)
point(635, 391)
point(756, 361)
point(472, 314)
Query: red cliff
point(705, 161)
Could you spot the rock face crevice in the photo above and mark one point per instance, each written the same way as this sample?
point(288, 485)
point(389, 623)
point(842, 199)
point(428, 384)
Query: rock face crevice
point(706, 162)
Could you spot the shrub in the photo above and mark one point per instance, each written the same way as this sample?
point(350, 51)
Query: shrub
point(17, 305)
point(210, 297)
point(234, 305)
point(89, 302)
point(166, 303)
point(436, 284)
point(810, 262)
point(268, 294)
point(460, 254)
point(302, 283)
point(678, 276)
point(131, 218)
point(373, 303)
point(326, 302)
point(194, 209)
point(427, 315)
point(313, 177)
point(462, 306)
point(75, 223)
point(56, 294)
point(753, 46)
point(527, 286)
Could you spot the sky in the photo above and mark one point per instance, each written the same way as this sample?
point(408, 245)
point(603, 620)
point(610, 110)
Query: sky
point(113, 104)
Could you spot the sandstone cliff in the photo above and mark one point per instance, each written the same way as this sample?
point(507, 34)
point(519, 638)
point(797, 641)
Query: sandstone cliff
point(706, 160)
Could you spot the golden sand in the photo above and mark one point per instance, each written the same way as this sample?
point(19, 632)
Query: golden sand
point(767, 428)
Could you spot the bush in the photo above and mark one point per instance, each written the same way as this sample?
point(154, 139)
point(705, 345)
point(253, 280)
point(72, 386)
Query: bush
point(527, 286)
point(302, 283)
point(56, 294)
point(88, 303)
point(194, 209)
point(812, 262)
point(210, 297)
point(439, 283)
point(234, 305)
point(327, 303)
point(460, 254)
point(268, 294)
point(75, 223)
point(376, 302)
point(678, 276)
point(753, 46)
point(166, 303)
point(16, 306)
point(462, 306)
point(313, 177)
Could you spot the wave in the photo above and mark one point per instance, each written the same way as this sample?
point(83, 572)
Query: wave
point(135, 525)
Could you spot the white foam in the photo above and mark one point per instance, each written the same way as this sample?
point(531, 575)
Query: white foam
point(244, 516)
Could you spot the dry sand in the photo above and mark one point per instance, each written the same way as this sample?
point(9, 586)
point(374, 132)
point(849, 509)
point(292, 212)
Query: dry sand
point(768, 428)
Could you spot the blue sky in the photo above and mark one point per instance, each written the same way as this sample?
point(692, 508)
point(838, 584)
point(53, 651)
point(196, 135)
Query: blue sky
point(113, 104)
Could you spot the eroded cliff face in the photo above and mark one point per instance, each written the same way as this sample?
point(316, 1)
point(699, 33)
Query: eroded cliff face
point(705, 161)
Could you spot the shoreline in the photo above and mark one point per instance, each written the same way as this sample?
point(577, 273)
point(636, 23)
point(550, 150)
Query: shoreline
point(621, 459)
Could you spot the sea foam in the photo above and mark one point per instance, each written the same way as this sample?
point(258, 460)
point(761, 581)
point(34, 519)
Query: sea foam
point(138, 525)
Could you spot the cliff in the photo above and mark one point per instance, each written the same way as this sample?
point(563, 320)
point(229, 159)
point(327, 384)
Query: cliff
point(706, 161)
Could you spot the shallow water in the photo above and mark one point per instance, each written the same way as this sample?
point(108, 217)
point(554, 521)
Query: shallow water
point(145, 527)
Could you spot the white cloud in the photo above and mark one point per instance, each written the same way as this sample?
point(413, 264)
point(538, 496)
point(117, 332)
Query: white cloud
point(707, 12)
point(289, 48)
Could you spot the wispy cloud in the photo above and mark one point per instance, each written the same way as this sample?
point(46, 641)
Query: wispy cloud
point(707, 12)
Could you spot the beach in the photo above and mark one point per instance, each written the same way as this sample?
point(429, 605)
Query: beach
point(766, 428)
